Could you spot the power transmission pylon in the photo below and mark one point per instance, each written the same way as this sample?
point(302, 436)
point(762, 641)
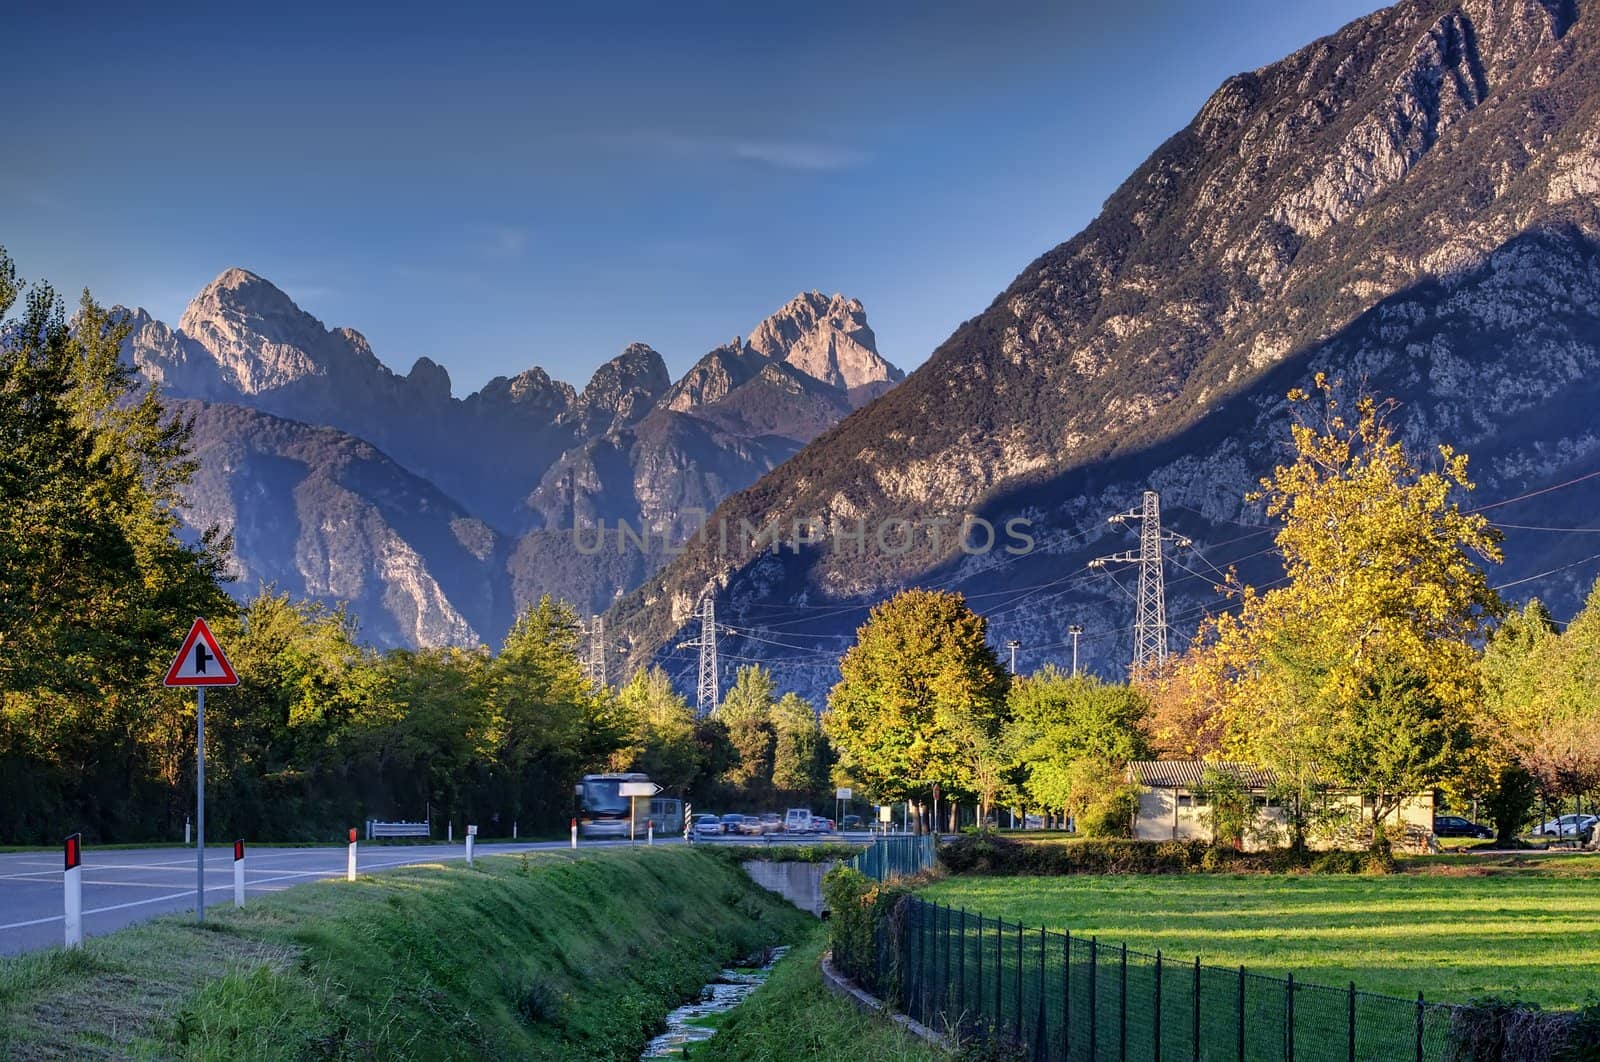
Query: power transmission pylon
point(706, 698)
point(1150, 626)
point(598, 673)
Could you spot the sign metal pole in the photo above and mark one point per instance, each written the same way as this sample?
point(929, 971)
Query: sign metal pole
point(200, 805)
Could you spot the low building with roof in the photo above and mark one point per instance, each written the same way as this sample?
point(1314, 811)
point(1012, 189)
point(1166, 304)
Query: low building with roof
point(1174, 805)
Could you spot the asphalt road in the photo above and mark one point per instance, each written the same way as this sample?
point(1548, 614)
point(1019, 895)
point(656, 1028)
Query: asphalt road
point(123, 886)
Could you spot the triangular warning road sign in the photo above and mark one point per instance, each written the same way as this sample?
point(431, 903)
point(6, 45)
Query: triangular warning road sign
point(201, 661)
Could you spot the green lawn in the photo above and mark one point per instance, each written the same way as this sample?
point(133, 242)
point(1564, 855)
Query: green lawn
point(1458, 927)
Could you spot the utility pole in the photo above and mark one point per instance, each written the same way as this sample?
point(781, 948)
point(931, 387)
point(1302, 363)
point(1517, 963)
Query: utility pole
point(1074, 629)
point(1150, 626)
point(598, 673)
point(1013, 645)
point(706, 698)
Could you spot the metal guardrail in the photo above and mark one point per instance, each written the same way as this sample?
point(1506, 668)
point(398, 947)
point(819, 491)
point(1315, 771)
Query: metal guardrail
point(376, 829)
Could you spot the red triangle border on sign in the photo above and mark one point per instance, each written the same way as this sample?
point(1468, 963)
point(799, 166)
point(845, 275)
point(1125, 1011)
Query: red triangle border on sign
point(225, 677)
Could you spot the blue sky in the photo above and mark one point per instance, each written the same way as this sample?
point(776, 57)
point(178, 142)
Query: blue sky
point(503, 187)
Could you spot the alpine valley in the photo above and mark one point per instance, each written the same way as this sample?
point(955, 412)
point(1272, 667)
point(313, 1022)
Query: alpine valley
point(1411, 205)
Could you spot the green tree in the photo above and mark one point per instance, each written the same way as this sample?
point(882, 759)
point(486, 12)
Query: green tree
point(659, 737)
point(1382, 579)
point(920, 698)
point(746, 711)
point(96, 585)
point(548, 722)
point(800, 753)
point(1058, 721)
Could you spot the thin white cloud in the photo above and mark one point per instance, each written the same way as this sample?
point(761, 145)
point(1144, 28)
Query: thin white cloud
point(795, 155)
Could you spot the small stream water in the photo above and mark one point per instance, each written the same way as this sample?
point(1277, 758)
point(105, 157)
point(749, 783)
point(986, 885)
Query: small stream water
point(686, 1025)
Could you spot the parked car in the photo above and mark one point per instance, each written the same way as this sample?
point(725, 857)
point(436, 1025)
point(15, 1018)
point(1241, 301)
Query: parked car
point(851, 822)
point(1456, 826)
point(772, 822)
point(1567, 826)
point(751, 826)
point(822, 825)
point(707, 826)
point(731, 824)
point(797, 820)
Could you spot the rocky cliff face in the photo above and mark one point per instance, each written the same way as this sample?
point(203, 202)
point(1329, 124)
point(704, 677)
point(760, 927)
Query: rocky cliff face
point(1409, 203)
point(336, 473)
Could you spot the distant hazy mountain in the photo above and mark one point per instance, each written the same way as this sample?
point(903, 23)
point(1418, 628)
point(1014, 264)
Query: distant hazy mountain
point(1412, 203)
point(439, 517)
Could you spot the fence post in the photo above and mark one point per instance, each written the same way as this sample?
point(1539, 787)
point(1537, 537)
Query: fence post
point(1066, 995)
point(961, 969)
point(978, 950)
point(1017, 1021)
point(999, 971)
point(1288, 1014)
point(1419, 1027)
point(1041, 1036)
point(944, 997)
point(1352, 1021)
point(1197, 1008)
point(1094, 1000)
point(1122, 1008)
point(1241, 1012)
point(1157, 1036)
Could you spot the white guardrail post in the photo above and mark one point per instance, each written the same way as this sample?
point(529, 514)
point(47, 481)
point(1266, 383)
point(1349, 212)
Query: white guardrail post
point(472, 835)
point(350, 866)
point(72, 883)
point(574, 833)
point(238, 873)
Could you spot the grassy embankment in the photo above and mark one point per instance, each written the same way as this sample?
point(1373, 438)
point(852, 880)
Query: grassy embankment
point(550, 956)
point(1453, 927)
point(795, 1016)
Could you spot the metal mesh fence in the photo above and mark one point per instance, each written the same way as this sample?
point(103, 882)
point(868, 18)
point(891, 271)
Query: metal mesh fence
point(897, 857)
point(1051, 995)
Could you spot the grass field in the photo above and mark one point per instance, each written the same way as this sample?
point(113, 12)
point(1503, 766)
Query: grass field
point(551, 955)
point(1454, 927)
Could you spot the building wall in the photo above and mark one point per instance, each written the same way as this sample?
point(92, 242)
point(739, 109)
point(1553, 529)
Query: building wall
point(1160, 818)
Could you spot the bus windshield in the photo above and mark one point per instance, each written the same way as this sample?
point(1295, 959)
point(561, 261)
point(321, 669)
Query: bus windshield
point(602, 796)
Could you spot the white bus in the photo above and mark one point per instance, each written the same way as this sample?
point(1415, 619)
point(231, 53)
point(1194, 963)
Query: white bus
point(604, 812)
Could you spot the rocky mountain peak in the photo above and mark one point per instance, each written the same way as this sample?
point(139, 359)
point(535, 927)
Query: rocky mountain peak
point(430, 378)
point(826, 338)
point(623, 389)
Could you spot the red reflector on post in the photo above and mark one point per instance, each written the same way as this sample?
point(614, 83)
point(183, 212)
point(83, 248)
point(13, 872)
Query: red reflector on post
point(238, 851)
point(352, 835)
point(74, 850)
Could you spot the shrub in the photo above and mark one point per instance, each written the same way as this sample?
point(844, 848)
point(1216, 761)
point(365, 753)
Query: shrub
point(1112, 814)
point(1492, 1029)
point(1004, 857)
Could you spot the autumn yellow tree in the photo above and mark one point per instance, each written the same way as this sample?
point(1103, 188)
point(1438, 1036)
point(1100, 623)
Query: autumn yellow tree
point(1360, 672)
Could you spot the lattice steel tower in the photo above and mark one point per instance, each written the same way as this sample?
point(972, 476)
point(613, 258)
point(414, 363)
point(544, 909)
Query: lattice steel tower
point(598, 673)
point(1150, 625)
point(706, 702)
point(706, 698)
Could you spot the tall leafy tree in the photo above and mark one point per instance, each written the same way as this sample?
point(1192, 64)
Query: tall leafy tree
point(1383, 578)
point(1068, 733)
point(746, 711)
point(920, 700)
point(659, 732)
point(800, 753)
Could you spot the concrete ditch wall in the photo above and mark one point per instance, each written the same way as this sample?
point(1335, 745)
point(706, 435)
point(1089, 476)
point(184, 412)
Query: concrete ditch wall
point(799, 883)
